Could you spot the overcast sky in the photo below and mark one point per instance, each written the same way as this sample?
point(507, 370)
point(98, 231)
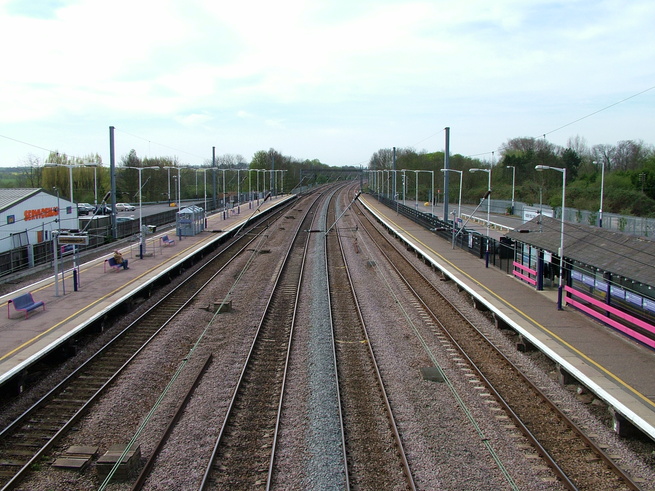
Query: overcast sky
point(334, 80)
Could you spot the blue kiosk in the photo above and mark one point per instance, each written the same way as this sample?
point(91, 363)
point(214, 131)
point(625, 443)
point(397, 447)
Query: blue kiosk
point(190, 221)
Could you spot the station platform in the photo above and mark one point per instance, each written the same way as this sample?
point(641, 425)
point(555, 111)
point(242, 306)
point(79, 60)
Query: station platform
point(618, 370)
point(23, 341)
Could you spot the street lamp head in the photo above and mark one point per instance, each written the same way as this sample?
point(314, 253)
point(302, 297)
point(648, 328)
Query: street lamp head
point(541, 167)
point(479, 170)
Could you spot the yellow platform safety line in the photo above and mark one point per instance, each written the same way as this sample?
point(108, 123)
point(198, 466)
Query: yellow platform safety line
point(537, 324)
point(72, 316)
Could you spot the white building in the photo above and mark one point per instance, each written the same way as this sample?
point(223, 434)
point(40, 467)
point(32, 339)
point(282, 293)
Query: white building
point(28, 216)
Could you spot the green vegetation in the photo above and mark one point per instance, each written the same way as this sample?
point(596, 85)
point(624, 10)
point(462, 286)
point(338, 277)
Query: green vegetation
point(629, 174)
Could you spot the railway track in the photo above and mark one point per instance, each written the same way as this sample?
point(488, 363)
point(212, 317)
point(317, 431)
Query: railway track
point(576, 461)
point(243, 455)
point(375, 455)
point(27, 440)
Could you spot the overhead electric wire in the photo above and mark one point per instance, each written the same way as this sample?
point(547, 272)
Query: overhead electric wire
point(599, 110)
point(160, 144)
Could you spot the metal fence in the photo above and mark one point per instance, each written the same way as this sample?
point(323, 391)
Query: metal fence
point(27, 256)
point(498, 253)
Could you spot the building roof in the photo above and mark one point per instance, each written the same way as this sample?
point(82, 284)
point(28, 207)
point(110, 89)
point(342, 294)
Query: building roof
point(618, 253)
point(12, 196)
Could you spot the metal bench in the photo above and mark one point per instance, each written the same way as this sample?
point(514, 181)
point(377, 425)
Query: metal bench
point(111, 262)
point(25, 303)
point(167, 241)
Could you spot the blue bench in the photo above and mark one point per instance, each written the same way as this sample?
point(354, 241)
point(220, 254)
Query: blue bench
point(167, 241)
point(112, 264)
point(25, 302)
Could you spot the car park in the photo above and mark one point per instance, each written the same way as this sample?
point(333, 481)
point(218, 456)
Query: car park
point(84, 208)
point(125, 207)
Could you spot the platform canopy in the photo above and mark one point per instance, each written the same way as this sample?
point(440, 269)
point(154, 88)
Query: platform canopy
point(629, 256)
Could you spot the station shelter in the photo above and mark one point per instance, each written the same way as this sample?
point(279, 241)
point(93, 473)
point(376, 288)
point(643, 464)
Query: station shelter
point(190, 221)
point(607, 274)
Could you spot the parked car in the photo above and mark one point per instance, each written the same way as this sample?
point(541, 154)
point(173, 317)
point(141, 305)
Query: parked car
point(125, 207)
point(84, 208)
point(123, 219)
point(102, 210)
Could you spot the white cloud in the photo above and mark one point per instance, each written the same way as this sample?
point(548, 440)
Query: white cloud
point(387, 71)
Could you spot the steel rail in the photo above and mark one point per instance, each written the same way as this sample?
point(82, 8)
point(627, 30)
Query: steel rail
point(82, 408)
point(250, 359)
point(378, 376)
point(543, 452)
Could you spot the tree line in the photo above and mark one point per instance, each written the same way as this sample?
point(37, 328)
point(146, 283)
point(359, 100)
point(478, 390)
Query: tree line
point(626, 169)
point(92, 180)
point(626, 172)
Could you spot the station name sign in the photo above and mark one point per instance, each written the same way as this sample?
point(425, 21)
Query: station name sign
point(73, 239)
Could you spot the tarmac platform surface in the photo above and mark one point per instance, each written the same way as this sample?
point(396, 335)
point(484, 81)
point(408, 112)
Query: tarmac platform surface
point(23, 341)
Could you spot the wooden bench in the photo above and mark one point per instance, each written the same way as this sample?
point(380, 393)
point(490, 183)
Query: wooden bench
point(167, 241)
point(25, 302)
point(111, 262)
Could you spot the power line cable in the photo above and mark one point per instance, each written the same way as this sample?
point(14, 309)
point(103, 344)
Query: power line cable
point(600, 110)
point(160, 144)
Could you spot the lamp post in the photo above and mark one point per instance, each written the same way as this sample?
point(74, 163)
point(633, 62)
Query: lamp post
point(513, 184)
point(249, 190)
point(204, 172)
point(488, 197)
point(70, 176)
point(141, 234)
point(224, 197)
point(459, 202)
point(95, 181)
point(561, 240)
point(168, 195)
point(602, 185)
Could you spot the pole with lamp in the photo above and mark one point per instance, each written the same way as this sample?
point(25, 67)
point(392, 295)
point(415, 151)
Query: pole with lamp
point(178, 178)
point(432, 190)
point(142, 234)
point(488, 198)
point(250, 188)
point(238, 191)
point(95, 180)
point(602, 186)
point(75, 258)
point(459, 202)
point(513, 185)
point(204, 172)
point(224, 196)
point(561, 242)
